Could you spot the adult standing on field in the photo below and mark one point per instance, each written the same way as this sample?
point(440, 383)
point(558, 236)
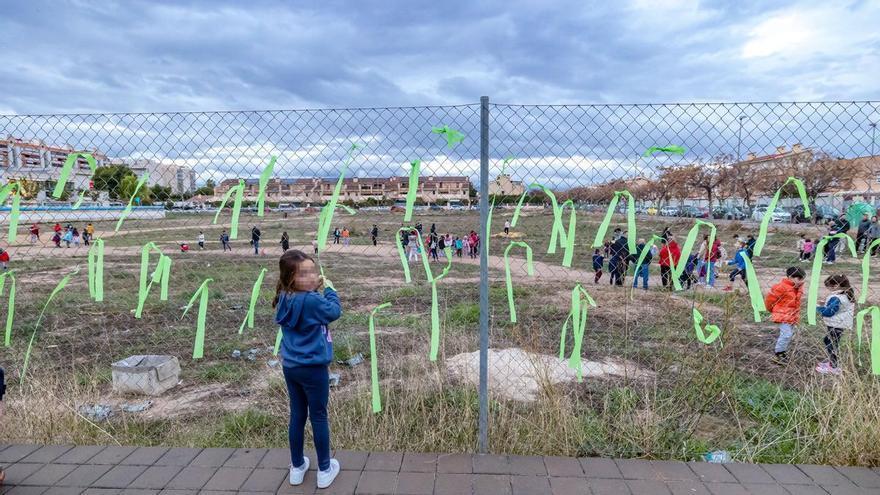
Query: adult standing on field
point(255, 239)
point(840, 226)
point(374, 234)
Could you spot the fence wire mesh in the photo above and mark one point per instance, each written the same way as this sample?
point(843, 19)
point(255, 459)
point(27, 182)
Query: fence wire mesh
point(648, 386)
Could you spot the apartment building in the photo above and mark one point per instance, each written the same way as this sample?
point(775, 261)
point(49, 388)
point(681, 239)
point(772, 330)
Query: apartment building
point(181, 179)
point(39, 162)
point(503, 185)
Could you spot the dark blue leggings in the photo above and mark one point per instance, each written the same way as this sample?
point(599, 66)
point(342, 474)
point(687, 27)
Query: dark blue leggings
point(309, 390)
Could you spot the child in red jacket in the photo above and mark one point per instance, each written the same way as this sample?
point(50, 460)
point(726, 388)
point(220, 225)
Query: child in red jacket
point(669, 257)
point(784, 304)
point(4, 259)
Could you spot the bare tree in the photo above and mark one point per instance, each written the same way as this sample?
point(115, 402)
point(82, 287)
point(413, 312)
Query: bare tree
point(707, 177)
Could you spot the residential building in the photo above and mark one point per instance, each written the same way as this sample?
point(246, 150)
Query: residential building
point(37, 161)
point(181, 180)
point(866, 185)
point(503, 185)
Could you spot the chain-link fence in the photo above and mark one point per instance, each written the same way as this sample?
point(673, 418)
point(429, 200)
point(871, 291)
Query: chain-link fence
point(640, 383)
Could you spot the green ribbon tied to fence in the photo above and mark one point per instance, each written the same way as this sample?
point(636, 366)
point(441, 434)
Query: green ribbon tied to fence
point(79, 200)
point(866, 270)
point(10, 305)
point(768, 215)
point(162, 274)
point(15, 212)
point(530, 269)
point(374, 357)
point(199, 343)
point(713, 330)
point(874, 311)
point(492, 207)
point(413, 189)
point(570, 235)
point(278, 337)
point(815, 273)
point(127, 211)
point(56, 290)
point(96, 270)
point(238, 190)
point(557, 233)
point(630, 220)
point(452, 136)
point(326, 219)
point(755, 294)
point(255, 294)
point(673, 150)
point(641, 259)
point(580, 301)
point(68, 167)
point(264, 183)
point(403, 258)
point(688, 247)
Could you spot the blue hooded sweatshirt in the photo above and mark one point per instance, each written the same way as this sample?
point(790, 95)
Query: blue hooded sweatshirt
point(303, 317)
point(738, 261)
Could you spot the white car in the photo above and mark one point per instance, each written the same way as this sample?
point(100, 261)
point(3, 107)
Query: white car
point(779, 215)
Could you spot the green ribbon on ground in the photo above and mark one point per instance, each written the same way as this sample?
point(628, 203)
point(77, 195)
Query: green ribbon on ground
point(264, 181)
point(324, 221)
point(570, 235)
point(452, 136)
point(530, 269)
point(374, 364)
point(68, 167)
point(875, 336)
point(127, 211)
point(238, 190)
point(162, 274)
point(644, 254)
point(15, 212)
point(96, 270)
point(687, 249)
point(714, 331)
point(557, 232)
point(10, 306)
point(278, 338)
point(815, 273)
point(755, 293)
point(674, 149)
point(199, 344)
point(578, 316)
point(768, 215)
point(630, 220)
point(866, 270)
point(255, 294)
point(413, 189)
point(56, 290)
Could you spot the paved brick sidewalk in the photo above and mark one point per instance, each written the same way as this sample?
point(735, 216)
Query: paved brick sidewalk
point(68, 470)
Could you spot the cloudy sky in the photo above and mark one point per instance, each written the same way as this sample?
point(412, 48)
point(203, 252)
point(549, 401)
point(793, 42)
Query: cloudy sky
point(81, 55)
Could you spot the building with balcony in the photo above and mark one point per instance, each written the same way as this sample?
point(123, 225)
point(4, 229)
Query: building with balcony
point(39, 162)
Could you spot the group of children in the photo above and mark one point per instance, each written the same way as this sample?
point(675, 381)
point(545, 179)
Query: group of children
point(68, 235)
point(437, 244)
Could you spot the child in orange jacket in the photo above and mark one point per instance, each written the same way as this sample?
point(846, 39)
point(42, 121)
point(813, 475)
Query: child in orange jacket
point(784, 304)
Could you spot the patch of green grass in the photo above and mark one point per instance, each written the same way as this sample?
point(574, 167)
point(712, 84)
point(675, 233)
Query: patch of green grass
point(248, 429)
point(224, 372)
point(464, 314)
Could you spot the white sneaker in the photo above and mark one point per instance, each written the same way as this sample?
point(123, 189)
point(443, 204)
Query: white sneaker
point(325, 478)
point(297, 474)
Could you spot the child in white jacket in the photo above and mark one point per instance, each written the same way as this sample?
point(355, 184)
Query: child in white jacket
point(838, 313)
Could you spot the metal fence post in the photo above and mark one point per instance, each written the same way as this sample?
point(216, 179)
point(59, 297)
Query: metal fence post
point(484, 275)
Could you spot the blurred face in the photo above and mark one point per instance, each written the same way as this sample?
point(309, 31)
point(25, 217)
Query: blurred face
point(796, 281)
point(306, 278)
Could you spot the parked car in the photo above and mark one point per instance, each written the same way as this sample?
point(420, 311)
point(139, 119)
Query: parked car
point(652, 210)
point(694, 211)
point(779, 215)
point(820, 214)
point(669, 211)
point(728, 213)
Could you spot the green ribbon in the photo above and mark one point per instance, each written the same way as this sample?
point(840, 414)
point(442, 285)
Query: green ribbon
point(856, 210)
point(687, 248)
point(569, 236)
point(413, 189)
point(452, 136)
point(755, 294)
point(644, 254)
point(162, 274)
point(875, 336)
point(255, 294)
point(768, 215)
point(529, 268)
point(238, 190)
point(56, 290)
point(578, 316)
point(674, 149)
point(866, 270)
point(16, 208)
point(10, 306)
point(199, 344)
point(96, 270)
point(714, 331)
point(68, 167)
point(79, 201)
point(127, 211)
point(264, 181)
point(813, 294)
point(557, 231)
point(278, 338)
point(374, 365)
point(403, 258)
point(492, 207)
point(630, 220)
point(324, 221)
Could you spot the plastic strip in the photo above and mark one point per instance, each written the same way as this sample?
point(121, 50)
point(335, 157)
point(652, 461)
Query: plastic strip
point(570, 235)
point(264, 181)
point(199, 344)
point(815, 273)
point(755, 294)
point(374, 365)
point(325, 221)
point(127, 211)
point(96, 270)
point(56, 290)
point(15, 212)
point(255, 294)
point(687, 249)
point(530, 269)
point(452, 136)
point(557, 232)
point(578, 315)
point(874, 311)
point(866, 270)
point(713, 330)
point(413, 190)
point(674, 149)
point(768, 215)
point(10, 306)
point(238, 190)
point(644, 254)
point(278, 338)
point(631, 233)
point(68, 167)
point(161, 274)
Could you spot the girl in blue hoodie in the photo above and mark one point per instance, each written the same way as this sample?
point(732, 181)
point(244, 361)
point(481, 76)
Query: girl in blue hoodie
point(739, 264)
point(306, 351)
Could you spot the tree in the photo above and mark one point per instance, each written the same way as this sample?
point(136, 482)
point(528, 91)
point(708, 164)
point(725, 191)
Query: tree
point(821, 173)
point(207, 189)
point(28, 189)
point(110, 179)
point(707, 177)
point(161, 193)
point(671, 184)
point(127, 190)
